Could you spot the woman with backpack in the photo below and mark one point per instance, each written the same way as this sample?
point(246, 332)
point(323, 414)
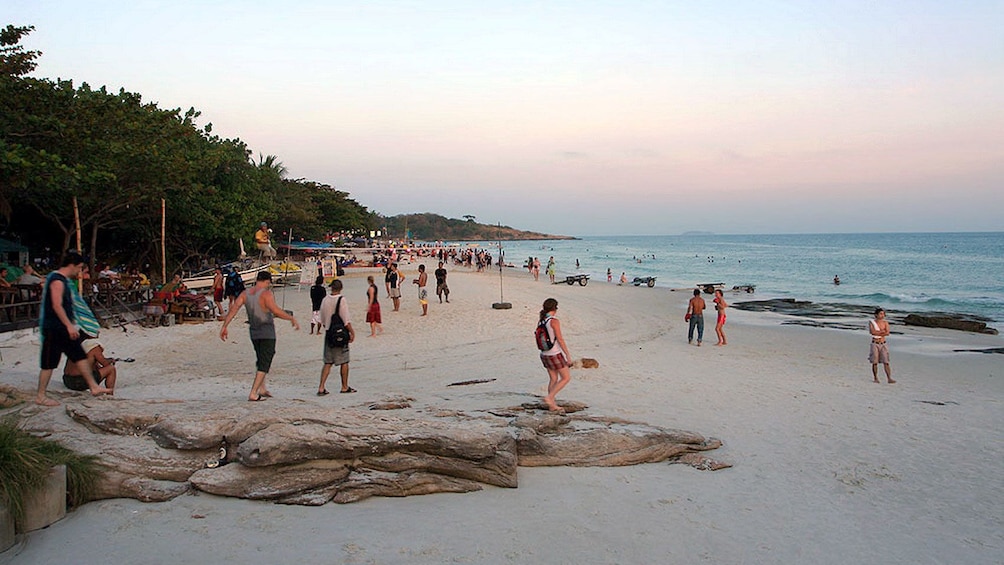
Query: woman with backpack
point(553, 353)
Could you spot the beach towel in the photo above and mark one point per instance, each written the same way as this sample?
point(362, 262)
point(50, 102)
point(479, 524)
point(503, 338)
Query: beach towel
point(82, 314)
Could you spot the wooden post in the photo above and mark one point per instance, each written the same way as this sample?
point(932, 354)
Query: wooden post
point(163, 241)
point(76, 224)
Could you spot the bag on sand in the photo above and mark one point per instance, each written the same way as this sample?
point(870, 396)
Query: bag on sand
point(337, 335)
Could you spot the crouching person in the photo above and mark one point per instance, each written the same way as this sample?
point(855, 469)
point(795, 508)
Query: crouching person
point(103, 368)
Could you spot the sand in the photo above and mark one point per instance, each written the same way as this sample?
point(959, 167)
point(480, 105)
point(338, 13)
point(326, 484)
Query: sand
point(828, 467)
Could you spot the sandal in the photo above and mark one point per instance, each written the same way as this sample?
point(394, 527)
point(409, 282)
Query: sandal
point(323, 392)
point(348, 390)
point(259, 399)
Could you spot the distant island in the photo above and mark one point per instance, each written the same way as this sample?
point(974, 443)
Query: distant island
point(433, 227)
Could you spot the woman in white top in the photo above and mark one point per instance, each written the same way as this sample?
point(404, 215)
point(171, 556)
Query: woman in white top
point(556, 359)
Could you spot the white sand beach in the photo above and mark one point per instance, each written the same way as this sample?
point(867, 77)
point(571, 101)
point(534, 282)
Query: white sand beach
point(828, 466)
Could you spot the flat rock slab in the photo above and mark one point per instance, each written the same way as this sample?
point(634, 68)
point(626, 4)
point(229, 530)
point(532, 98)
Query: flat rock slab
point(297, 452)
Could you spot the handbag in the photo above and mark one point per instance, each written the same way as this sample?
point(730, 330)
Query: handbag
point(337, 335)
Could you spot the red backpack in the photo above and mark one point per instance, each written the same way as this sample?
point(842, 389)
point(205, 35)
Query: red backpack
point(542, 335)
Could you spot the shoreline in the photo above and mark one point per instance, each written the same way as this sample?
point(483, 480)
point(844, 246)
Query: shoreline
point(819, 452)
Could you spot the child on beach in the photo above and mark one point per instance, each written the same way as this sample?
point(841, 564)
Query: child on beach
point(556, 359)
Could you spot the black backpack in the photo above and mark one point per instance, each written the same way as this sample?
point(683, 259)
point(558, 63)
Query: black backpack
point(337, 335)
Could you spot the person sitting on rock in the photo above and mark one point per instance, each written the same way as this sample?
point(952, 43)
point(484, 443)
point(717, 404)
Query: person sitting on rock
point(104, 368)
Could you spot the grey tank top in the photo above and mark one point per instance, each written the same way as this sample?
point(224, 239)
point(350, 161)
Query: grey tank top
point(260, 319)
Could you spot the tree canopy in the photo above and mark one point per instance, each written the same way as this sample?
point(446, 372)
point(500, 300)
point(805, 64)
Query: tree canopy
point(118, 156)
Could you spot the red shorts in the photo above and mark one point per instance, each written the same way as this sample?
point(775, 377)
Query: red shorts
point(218, 295)
point(554, 362)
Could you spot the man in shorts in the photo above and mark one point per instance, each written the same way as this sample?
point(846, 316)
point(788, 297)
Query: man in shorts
point(394, 280)
point(441, 287)
point(262, 311)
point(336, 355)
point(423, 294)
point(218, 291)
point(879, 352)
point(59, 332)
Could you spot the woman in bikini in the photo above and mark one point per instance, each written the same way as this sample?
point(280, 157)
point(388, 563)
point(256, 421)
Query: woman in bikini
point(720, 305)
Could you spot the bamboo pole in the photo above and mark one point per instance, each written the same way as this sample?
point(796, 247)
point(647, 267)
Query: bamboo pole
point(76, 224)
point(163, 241)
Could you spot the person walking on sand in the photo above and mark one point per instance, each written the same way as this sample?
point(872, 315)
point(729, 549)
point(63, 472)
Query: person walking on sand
point(879, 353)
point(373, 317)
point(262, 309)
point(423, 294)
point(695, 315)
point(720, 306)
point(551, 269)
point(59, 332)
point(556, 359)
point(336, 355)
point(317, 294)
point(441, 286)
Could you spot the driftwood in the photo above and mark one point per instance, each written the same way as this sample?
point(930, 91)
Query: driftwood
point(296, 452)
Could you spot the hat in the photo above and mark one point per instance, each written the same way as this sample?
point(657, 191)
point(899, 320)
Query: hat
point(263, 224)
point(89, 344)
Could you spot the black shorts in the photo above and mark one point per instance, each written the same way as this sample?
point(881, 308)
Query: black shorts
point(77, 382)
point(55, 343)
point(264, 350)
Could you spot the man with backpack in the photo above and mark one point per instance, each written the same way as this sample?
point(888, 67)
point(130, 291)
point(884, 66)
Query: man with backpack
point(334, 316)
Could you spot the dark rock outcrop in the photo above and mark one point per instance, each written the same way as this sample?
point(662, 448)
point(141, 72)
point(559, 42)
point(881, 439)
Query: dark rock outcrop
point(951, 322)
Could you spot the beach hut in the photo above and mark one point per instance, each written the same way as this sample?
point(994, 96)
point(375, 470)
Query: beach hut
point(13, 253)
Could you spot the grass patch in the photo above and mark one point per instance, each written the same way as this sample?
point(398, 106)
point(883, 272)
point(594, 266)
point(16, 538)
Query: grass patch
point(25, 461)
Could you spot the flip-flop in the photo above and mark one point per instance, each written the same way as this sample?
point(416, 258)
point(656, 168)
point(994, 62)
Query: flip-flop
point(323, 393)
point(266, 394)
point(259, 399)
point(350, 389)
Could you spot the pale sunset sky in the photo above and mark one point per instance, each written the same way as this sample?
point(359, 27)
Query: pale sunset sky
point(582, 117)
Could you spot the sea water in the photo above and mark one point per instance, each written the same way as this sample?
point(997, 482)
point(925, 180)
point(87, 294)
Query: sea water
point(911, 272)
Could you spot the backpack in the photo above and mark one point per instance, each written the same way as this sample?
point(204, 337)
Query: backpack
point(337, 335)
point(542, 335)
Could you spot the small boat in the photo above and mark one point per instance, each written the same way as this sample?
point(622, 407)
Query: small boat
point(247, 269)
point(286, 272)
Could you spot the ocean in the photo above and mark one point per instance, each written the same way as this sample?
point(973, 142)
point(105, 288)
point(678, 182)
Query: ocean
point(911, 272)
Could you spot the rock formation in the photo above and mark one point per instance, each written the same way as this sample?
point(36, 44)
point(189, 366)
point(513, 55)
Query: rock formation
point(296, 452)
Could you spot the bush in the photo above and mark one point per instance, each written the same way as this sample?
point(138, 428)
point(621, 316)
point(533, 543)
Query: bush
point(25, 461)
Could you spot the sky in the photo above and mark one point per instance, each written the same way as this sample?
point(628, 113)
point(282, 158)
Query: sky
point(583, 117)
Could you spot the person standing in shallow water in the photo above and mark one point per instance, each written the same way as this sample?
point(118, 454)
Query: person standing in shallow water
point(879, 352)
point(557, 359)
